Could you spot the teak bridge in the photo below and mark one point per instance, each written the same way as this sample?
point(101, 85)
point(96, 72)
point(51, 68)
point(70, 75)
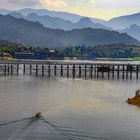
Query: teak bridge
point(75, 69)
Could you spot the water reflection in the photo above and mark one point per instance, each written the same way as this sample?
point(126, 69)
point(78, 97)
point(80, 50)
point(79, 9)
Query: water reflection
point(74, 109)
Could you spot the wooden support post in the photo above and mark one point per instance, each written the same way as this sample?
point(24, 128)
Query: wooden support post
point(118, 72)
point(80, 71)
point(49, 70)
point(95, 67)
point(73, 71)
point(113, 69)
point(5, 69)
point(85, 70)
point(36, 69)
point(55, 70)
point(30, 69)
point(24, 68)
point(97, 71)
point(137, 72)
point(108, 72)
point(91, 71)
point(126, 72)
point(42, 69)
point(17, 69)
point(103, 73)
point(11, 69)
point(8, 69)
point(123, 71)
point(67, 70)
point(61, 70)
point(131, 73)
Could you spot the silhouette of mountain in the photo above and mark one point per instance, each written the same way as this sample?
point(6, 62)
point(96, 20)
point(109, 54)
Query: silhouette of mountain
point(133, 30)
point(124, 21)
point(8, 43)
point(87, 22)
point(43, 12)
point(35, 34)
point(58, 23)
point(5, 11)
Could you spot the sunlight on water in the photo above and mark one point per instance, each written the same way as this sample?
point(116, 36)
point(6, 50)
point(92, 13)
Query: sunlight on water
point(73, 109)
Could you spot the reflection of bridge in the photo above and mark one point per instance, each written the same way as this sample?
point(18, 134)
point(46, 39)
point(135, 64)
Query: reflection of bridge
point(92, 69)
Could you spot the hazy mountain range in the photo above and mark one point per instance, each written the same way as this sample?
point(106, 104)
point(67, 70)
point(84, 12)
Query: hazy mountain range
point(68, 21)
point(133, 30)
point(124, 21)
point(47, 20)
point(33, 33)
point(8, 43)
point(115, 23)
point(42, 12)
point(59, 23)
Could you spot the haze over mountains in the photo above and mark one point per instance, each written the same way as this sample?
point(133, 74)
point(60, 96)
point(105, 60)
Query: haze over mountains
point(35, 34)
point(59, 23)
point(42, 12)
point(41, 28)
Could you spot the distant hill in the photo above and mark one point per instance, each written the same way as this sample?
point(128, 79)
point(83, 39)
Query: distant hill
point(117, 23)
point(8, 43)
point(5, 11)
point(124, 21)
point(133, 30)
point(35, 34)
point(59, 23)
point(43, 12)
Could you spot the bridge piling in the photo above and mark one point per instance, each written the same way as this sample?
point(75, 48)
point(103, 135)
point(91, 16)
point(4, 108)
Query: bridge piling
point(17, 69)
point(123, 72)
point(30, 69)
point(118, 72)
point(24, 69)
point(91, 71)
point(55, 70)
point(8, 70)
point(108, 72)
point(11, 69)
point(36, 69)
point(113, 72)
point(73, 69)
point(67, 70)
point(137, 72)
point(61, 70)
point(80, 71)
point(49, 70)
point(42, 70)
point(85, 70)
point(126, 72)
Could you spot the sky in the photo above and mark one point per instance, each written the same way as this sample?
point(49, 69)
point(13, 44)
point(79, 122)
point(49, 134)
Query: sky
point(104, 9)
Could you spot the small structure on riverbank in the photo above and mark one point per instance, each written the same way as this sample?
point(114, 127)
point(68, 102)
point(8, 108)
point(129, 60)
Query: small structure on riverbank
point(135, 100)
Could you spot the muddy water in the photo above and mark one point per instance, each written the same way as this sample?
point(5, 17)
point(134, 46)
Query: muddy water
point(73, 109)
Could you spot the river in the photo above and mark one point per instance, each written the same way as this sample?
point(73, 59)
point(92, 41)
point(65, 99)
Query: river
point(73, 109)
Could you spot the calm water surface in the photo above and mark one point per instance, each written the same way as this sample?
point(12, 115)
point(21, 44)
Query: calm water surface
point(73, 109)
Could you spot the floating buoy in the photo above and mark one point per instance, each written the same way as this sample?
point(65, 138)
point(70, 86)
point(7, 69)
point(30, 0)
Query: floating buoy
point(38, 115)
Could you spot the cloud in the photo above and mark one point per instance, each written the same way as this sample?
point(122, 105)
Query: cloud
point(90, 1)
point(53, 3)
point(44, 3)
point(117, 4)
point(24, 2)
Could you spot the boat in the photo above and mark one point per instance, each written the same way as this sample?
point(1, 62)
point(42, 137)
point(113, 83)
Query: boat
point(38, 115)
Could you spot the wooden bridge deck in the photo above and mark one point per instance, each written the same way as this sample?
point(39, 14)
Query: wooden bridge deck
point(92, 69)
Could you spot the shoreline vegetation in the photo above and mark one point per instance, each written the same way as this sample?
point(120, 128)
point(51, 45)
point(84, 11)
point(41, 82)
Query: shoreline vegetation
point(113, 52)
